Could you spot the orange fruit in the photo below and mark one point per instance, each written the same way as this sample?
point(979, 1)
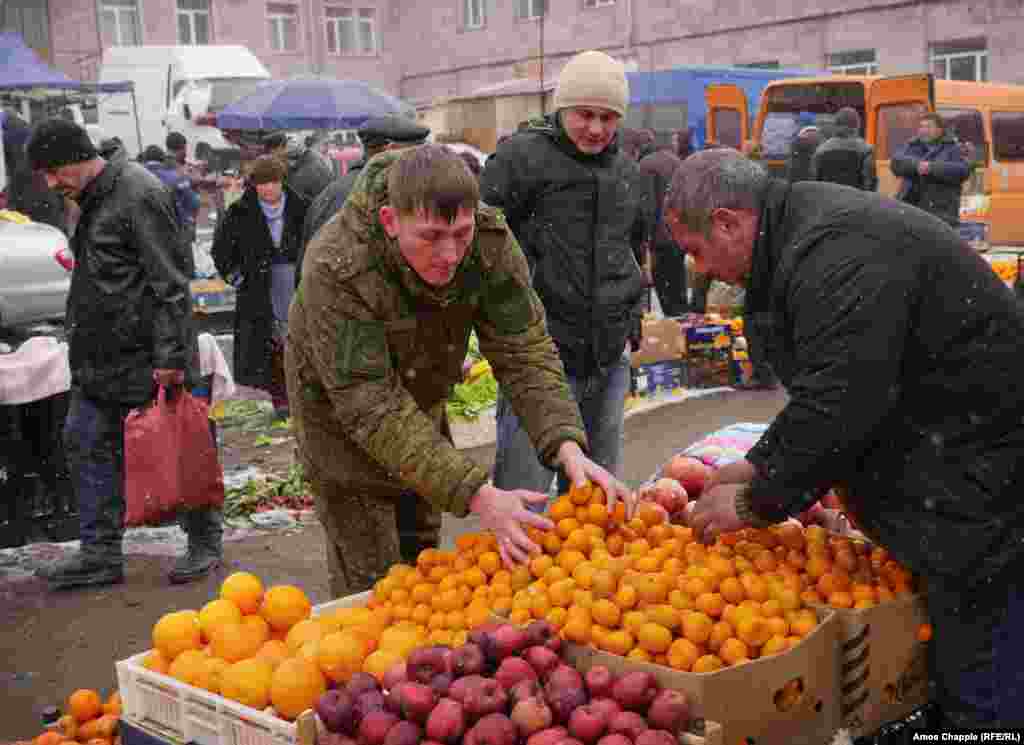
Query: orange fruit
point(569, 559)
point(683, 654)
point(211, 672)
point(924, 632)
point(605, 584)
point(233, 642)
point(734, 652)
point(243, 589)
point(633, 621)
point(49, 738)
point(177, 632)
point(664, 615)
point(284, 606)
point(84, 704)
point(113, 705)
point(566, 527)
point(583, 574)
point(580, 495)
point(216, 613)
point(296, 685)
point(474, 577)
point(654, 638)
point(841, 600)
point(719, 633)
point(156, 662)
point(711, 603)
point(489, 562)
point(540, 564)
point(753, 631)
point(475, 616)
point(520, 616)
point(302, 632)
point(577, 629)
point(681, 601)
point(653, 589)
point(597, 514)
point(650, 514)
point(582, 599)
point(803, 624)
point(606, 613)
point(378, 663)
point(774, 645)
point(273, 651)
point(626, 597)
point(620, 642)
point(561, 509)
point(248, 683)
point(640, 655)
point(340, 655)
point(188, 666)
point(709, 663)
point(557, 618)
point(731, 590)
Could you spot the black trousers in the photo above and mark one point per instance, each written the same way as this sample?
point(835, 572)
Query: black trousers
point(670, 278)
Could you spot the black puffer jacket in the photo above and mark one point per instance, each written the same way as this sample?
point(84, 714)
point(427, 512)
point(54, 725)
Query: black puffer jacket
point(900, 350)
point(846, 159)
point(939, 191)
point(130, 306)
point(309, 172)
point(323, 208)
point(581, 220)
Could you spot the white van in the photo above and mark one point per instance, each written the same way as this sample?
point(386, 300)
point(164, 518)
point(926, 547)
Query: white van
point(177, 89)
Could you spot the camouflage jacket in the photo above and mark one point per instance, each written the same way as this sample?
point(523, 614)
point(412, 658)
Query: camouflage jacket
point(374, 353)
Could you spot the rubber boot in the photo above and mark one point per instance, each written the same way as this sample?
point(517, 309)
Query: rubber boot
point(205, 551)
point(89, 567)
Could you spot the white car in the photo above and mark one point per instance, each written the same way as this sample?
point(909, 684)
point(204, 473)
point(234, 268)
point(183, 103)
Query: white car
point(35, 273)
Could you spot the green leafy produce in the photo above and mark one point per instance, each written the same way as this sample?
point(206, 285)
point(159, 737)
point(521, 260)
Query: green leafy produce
point(469, 400)
point(291, 492)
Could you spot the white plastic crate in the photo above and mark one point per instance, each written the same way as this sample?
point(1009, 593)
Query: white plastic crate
point(185, 714)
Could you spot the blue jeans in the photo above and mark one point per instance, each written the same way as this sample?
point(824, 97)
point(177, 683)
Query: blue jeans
point(602, 402)
point(94, 442)
point(976, 656)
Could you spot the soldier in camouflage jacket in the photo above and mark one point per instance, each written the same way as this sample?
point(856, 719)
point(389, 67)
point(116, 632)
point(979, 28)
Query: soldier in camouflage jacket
point(377, 336)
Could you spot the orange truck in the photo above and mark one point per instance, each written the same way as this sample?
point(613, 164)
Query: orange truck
point(988, 116)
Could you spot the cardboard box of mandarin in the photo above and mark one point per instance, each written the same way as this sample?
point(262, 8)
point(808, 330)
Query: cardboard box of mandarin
point(791, 698)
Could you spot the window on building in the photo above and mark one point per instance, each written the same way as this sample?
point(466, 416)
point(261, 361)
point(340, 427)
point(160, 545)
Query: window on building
point(475, 14)
point(597, 3)
point(283, 25)
point(119, 20)
point(854, 62)
point(967, 125)
point(193, 21)
point(897, 125)
point(772, 65)
point(1008, 135)
point(527, 9)
point(961, 60)
point(31, 19)
point(351, 31)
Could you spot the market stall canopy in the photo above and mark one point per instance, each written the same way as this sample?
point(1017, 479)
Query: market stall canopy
point(308, 103)
point(21, 69)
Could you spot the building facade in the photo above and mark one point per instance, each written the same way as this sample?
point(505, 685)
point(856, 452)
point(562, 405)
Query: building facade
point(433, 49)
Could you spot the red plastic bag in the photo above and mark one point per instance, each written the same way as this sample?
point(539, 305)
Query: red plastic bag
point(170, 459)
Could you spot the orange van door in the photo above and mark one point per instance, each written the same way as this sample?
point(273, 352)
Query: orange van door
point(1006, 174)
point(728, 121)
point(894, 108)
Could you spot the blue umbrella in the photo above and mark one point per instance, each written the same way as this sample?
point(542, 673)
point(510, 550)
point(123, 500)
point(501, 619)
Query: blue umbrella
point(308, 103)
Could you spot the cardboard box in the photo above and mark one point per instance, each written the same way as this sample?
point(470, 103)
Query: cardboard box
point(662, 341)
point(659, 379)
point(883, 666)
point(709, 362)
point(743, 699)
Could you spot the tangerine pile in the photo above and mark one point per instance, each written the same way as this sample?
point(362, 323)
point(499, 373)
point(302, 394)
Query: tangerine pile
point(645, 589)
point(88, 719)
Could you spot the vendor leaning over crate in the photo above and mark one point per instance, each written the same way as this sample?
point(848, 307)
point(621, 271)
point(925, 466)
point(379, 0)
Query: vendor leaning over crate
point(379, 327)
point(901, 353)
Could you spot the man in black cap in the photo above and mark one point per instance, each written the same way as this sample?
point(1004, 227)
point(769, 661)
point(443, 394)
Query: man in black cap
point(129, 329)
point(377, 135)
point(309, 172)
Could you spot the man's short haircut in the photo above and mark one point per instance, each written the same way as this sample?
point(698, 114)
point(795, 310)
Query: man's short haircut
point(175, 141)
point(722, 178)
point(848, 117)
point(275, 140)
point(434, 179)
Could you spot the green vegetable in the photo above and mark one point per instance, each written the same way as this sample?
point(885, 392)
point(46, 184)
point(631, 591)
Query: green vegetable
point(470, 399)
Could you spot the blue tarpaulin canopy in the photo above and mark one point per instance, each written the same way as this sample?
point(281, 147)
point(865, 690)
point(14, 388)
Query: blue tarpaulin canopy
point(21, 69)
point(308, 103)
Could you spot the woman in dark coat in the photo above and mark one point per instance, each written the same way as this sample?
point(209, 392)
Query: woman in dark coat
point(255, 249)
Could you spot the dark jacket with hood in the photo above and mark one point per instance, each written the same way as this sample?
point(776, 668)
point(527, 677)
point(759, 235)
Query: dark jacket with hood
point(243, 245)
point(846, 159)
point(130, 306)
point(309, 172)
point(939, 191)
point(900, 350)
point(581, 219)
point(324, 207)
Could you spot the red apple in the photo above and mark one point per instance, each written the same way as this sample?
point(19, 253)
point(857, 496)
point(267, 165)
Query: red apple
point(550, 736)
point(484, 699)
point(513, 670)
point(669, 711)
point(447, 722)
point(600, 682)
point(404, 733)
point(627, 723)
point(531, 715)
point(542, 660)
point(656, 737)
point(493, 729)
point(588, 724)
point(374, 728)
point(690, 472)
point(468, 659)
point(607, 705)
point(635, 690)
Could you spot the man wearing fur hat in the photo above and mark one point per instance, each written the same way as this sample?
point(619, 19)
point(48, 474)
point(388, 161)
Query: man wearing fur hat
point(583, 212)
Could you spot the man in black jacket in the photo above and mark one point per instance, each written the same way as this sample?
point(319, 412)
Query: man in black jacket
point(377, 135)
point(582, 212)
point(845, 158)
point(309, 172)
point(933, 170)
point(900, 350)
point(129, 330)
